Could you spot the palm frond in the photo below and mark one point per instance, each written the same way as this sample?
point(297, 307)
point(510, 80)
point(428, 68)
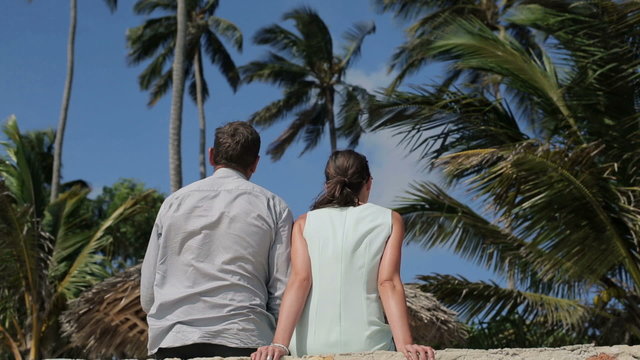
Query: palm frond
point(473, 46)
point(488, 300)
point(278, 147)
point(219, 56)
point(354, 38)
point(84, 269)
point(292, 99)
point(435, 219)
point(228, 30)
point(22, 262)
point(274, 69)
point(317, 41)
point(145, 7)
point(22, 173)
point(112, 4)
point(160, 87)
point(314, 129)
point(557, 199)
point(435, 122)
point(280, 39)
point(153, 36)
point(354, 108)
point(153, 72)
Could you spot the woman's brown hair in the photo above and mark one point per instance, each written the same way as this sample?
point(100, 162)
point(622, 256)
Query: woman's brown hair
point(346, 173)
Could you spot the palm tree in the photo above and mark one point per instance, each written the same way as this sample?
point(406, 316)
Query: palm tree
point(66, 96)
point(559, 182)
point(49, 252)
point(432, 17)
point(177, 98)
point(311, 75)
point(155, 39)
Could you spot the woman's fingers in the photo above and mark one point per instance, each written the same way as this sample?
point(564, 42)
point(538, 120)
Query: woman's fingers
point(408, 353)
point(419, 352)
point(267, 353)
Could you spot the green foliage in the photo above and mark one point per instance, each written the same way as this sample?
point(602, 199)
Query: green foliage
point(155, 40)
point(516, 332)
point(131, 235)
point(551, 156)
point(311, 76)
point(49, 252)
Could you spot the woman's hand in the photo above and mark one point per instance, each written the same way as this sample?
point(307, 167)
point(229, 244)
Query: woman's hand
point(418, 352)
point(269, 352)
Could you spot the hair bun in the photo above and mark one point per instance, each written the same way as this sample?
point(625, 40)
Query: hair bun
point(341, 180)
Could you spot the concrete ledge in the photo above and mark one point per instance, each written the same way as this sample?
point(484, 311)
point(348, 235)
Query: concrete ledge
point(575, 352)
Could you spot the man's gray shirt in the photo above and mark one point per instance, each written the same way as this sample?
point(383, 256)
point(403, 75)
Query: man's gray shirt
point(217, 264)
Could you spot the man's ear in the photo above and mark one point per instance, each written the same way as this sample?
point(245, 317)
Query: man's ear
point(255, 165)
point(211, 161)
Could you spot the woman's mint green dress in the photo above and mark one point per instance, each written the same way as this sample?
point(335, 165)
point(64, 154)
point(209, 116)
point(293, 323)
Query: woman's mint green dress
point(343, 312)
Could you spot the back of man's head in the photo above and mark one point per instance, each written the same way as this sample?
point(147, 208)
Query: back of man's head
point(236, 145)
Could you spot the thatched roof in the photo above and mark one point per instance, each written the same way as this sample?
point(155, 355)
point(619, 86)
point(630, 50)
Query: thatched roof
point(108, 320)
point(432, 323)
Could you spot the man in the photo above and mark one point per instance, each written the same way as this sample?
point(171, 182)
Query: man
point(218, 258)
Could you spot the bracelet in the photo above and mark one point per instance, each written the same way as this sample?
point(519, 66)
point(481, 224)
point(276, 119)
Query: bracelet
point(286, 349)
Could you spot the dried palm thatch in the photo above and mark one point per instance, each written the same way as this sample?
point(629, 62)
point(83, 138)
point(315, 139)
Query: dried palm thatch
point(108, 320)
point(432, 323)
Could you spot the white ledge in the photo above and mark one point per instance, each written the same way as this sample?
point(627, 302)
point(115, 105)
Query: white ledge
point(574, 352)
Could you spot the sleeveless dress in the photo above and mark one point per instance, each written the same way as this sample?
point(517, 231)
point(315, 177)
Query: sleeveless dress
point(343, 312)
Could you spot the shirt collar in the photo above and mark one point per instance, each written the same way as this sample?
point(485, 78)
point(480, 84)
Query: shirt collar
point(226, 172)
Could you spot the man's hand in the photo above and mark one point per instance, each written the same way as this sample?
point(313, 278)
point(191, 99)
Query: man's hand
point(268, 352)
point(416, 352)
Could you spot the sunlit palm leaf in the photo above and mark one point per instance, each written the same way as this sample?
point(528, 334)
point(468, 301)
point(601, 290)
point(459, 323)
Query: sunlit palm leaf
point(555, 198)
point(22, 172)
point(472, 46)
point(84, 269)
point(435, 123)
point(488, 300)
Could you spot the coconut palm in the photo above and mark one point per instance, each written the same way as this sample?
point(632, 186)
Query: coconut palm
point(66, 96)
point(155, 39)
point(48, 251)
point(311, 75)
point(559, 183)
point(431, 17)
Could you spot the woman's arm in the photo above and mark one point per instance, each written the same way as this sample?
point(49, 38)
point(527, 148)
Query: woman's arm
point(392, 295)
point(295, 295)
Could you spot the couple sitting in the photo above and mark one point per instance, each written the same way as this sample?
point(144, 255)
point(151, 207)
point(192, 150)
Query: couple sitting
point(223, 250)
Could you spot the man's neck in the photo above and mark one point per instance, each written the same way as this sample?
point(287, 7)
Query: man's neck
point(243, 173)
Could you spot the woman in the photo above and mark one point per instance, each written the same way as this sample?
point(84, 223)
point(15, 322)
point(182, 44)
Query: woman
point(345, 269)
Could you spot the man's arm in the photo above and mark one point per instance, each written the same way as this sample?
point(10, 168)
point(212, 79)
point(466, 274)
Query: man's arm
point(148, 272)
point(279, 260)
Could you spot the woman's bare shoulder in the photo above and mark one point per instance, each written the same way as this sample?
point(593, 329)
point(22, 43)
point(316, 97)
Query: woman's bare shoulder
point(300, 221)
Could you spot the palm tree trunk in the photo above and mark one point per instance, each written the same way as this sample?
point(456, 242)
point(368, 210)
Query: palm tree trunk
point(175, 126)
point(200, 102)
point(36, 331)
point(15, 351)
point(331, 119)
point(66, 97)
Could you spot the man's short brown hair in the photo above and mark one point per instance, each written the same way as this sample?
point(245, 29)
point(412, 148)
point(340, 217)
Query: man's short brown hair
point(236, 145)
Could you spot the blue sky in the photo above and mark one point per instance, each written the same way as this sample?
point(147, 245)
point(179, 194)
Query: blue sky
point(112, 134)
